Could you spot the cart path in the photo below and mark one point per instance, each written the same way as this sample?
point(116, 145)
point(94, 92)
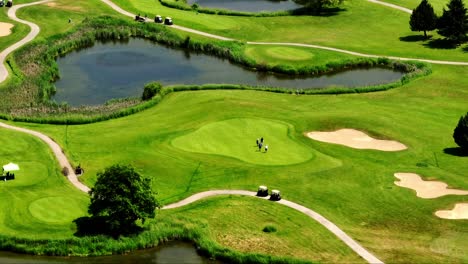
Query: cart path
point(356, 247)
point(404, 9)
point(58, 152)
point(30, 36)
point(63, 161)
point(460, 63)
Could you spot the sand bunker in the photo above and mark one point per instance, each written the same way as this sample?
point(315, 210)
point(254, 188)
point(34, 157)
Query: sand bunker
point(5, 29)
point(425, 189)
point(459, 212)
point(356, 139)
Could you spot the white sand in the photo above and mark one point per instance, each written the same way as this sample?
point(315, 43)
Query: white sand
point(5, 29)
point(460, 211)
point(356, 139)
point(425, 189)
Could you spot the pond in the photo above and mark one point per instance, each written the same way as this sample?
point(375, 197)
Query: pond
point(248, 5)
point(116, 70)
point(176, 253)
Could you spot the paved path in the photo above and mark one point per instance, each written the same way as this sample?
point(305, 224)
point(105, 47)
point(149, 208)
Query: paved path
point(120, 10)
point(312, 214)
point(32, 34)
point(404, 9)
point(58, 152)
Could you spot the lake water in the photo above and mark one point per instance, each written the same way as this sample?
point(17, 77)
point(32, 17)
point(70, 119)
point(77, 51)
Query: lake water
point(173, 253)
point(117, 70)
point(247, 5)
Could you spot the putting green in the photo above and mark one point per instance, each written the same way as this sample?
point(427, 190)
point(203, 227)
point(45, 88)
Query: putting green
point(57, 209)
point(236, 138)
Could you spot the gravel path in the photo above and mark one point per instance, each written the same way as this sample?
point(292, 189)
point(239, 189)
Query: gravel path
point(58, 152)
point(404, 9)
point(356, 247)
point(120, 10)
point(32, 34)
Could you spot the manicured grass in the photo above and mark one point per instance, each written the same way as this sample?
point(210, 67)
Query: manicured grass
point(381, 34)
point(276, 55)
point(40, 202)
point(237, 138)
point(238, 223)
point(353, 188)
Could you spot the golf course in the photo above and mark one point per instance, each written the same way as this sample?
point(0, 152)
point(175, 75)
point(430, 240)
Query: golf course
point(327, 153)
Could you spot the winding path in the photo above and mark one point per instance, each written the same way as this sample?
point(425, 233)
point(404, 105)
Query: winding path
point(31, 35)
point(126, 13)
point(58, 152)
point(64, 163)
point(356, 247)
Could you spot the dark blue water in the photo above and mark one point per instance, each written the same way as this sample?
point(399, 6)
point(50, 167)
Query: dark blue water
point(175, 253)
point(247, 5)
point(117, 70)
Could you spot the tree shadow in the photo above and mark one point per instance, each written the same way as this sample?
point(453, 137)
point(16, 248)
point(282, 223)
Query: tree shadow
point(459, 152)
point(465, 49)
point(324, 12)
point(440, 44)
point(415, 38)
point(94, 226)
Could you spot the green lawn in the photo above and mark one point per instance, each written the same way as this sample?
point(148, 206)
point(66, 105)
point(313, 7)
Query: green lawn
point(363, 27)
point(40, 202)
point(181, 144)
point(353, 188)
point(237, 138)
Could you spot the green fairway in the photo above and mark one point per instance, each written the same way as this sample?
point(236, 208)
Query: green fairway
point(196, 141)
point(236, 138)
point(39, 202)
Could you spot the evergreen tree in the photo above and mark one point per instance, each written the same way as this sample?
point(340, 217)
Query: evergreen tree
point(460, 134)
point(454, 22)
point(423, 18)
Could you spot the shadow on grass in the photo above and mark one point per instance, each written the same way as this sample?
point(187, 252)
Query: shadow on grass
point(459, 152)
point(465, 49)
point(440, 44)
point(325, 12)
point(415, 38)
point(94, 226)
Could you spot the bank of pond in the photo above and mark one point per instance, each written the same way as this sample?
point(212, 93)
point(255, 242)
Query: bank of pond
point(110, 70)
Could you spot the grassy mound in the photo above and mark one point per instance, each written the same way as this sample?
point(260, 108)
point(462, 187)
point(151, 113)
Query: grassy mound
point(237, 138)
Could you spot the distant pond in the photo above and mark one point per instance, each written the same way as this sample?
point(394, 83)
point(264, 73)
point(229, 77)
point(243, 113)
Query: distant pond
point(248, 5)
point(117, 70)
point(173, 253)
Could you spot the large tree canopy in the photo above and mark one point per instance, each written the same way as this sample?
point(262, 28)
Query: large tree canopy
point(121, 196)
point(460, 134)
point(454, 22)
point(423, 18)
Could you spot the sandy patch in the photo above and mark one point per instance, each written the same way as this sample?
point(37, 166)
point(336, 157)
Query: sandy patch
point(460, 211)
point(356, 139)
point(425, 189)
point(64, 7)
point(5, 29)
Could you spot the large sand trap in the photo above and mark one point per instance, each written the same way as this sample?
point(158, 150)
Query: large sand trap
point(425, 189)
point(5, 29)
point(356, 139)
point(460, 211)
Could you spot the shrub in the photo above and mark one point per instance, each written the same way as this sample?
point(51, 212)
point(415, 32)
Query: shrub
point(460, 134)
point(269, 229)
point(151, 89)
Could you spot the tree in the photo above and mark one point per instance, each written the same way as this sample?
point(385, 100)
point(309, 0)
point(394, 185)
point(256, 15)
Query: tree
point(120, 197)
point(460, 134)
point(453, 24)
point(423, 18)
point(318, 5)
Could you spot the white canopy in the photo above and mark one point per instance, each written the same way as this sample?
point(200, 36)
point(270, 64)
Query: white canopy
point(11, 167)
